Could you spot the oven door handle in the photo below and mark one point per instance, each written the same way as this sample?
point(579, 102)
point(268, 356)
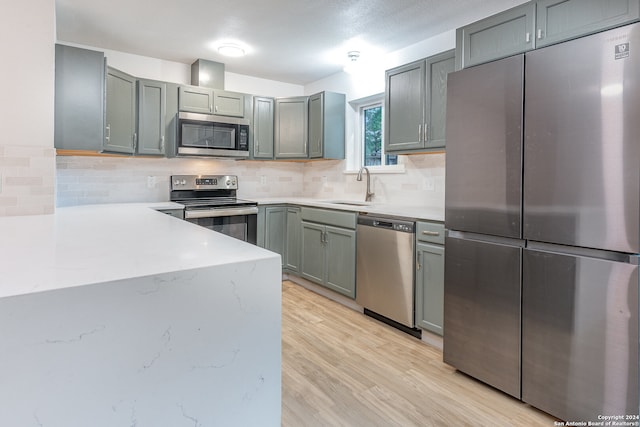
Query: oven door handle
point(214, 213)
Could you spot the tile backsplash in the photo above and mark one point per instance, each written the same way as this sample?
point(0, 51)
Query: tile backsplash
point(27, 177)
point(92, 180)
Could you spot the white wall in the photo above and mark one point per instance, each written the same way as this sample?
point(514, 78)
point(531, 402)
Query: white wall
point(27, 166)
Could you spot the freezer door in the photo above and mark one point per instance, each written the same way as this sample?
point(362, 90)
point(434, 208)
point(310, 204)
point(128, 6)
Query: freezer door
point(484, 148)
point(579, 335)
point(582, 156)
point(482, 311)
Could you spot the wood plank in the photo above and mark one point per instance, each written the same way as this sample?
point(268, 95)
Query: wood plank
point(341, 368)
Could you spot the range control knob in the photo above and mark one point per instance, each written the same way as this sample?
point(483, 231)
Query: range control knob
point(228, 182)
point(183, 182)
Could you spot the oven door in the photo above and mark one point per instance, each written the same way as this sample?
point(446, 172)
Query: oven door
point(241, 223)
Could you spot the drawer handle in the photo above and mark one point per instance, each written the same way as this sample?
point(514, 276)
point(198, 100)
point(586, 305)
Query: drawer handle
point(431, 233)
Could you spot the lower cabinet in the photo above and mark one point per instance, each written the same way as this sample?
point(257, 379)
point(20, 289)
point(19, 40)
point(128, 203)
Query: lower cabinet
point(293, 240)
point(430, 276)
point(275, 229)
point(329, 257)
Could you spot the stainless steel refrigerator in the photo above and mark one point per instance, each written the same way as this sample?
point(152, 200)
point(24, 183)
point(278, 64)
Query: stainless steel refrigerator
point(543, 215)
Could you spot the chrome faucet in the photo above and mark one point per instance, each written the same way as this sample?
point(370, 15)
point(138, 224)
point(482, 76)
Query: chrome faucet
point(359, 178)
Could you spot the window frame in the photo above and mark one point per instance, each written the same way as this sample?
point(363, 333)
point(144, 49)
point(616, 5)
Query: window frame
point(357, 161)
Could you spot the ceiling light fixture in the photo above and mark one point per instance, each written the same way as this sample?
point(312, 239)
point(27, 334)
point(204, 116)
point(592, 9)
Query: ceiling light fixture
point(353, 55)
point(353, 65)
point(232, 50)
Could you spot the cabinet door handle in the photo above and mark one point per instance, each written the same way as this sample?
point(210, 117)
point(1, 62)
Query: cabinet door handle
point(426, 133)
point(216, 109)
point(419, 266)
point(135, 141)
point(107, 137)
point(420, 133)
point(539, 33)
point(527, 37)
point(431, 233)
point(162, 143)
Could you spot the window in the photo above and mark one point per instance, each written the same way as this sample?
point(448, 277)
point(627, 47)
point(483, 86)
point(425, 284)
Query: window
point(371, 137)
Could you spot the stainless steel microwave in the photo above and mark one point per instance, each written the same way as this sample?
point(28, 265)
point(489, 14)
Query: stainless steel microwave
point(208, 135)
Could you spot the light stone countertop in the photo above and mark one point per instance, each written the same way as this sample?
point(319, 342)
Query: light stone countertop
point(90, 244)
point(424, 213)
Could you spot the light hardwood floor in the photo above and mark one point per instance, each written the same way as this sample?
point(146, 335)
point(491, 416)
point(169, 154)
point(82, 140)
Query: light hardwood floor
point(341, 368)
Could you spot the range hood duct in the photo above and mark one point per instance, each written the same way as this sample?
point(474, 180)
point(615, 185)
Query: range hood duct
point(207, 74)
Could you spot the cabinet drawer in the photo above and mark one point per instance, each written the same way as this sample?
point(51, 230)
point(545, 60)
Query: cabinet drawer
point(430, 232)
point(325, 216)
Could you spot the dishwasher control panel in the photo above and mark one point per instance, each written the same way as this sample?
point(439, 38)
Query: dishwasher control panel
point(394, 224)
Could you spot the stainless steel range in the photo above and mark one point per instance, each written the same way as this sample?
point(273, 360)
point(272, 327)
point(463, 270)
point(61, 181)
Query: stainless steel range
point(210, 201)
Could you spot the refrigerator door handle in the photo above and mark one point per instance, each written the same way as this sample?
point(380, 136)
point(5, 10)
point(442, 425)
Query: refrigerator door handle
point(633, 259)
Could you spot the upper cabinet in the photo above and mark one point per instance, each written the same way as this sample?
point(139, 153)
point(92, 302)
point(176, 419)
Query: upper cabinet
point(79, 98)
point(120, 129)
point(537, 24)
point(263, 116)
point(197, 99)
point(291, 127)
point(227, 103)
point(497, 36)
point(560, 20)
point(326, 125)
point(151, 117)
point(415, 100)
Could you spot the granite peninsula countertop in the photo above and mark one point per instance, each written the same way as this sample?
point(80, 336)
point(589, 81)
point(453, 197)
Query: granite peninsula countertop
point(90, 244)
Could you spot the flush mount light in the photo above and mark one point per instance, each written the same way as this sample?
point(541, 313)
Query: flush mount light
point(229, 49)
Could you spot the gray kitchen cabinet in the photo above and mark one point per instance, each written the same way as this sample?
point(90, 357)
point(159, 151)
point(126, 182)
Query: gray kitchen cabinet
point(171, 120)
point(329, 249)
point(404, 102)
point(326, 125)
point(291, 127)
point(293, 240)
point(120, 129)
point(276, 230)
point(429, 287)
point(313, 252)
point(227, 103)
point(340, 270)
point(195, 99)
point(261, 226)
point(152, 124)
point(560, 20)
point(263, 116)
point(497, 36)
point(416, 104)
point(79, 98)
point(429, 309)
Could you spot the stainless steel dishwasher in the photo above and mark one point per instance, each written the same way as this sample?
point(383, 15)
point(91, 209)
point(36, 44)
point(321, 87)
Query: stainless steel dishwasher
point(385, 270)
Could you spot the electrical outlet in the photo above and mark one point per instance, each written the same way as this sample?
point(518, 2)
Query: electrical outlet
point(151, 181)
point(263, 179)
point(324, 179)
point(430, 184)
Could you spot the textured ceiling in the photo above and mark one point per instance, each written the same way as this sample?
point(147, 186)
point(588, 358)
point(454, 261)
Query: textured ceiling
point(294, 41)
